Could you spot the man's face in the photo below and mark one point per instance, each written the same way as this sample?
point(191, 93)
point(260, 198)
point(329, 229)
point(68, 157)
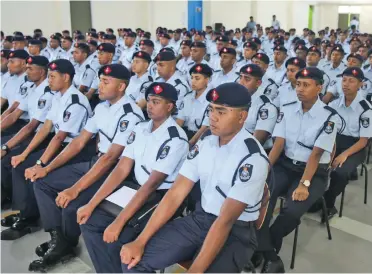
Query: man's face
point(79, 55)
point(139, 65)
point(291, 73)
point(34, 49)
point(350, 85)
point(354, 45)
point(248, 53)
point(16, 65)
point(307, 89)
point(165, 68)
point(164, 41)
point(364, 52)
point(54, 43)
point(336, 57)
point(66, 44)
point(250, 82)
point(353, 62)
point(4, 64)
point(177, 36)
point(158, 108)
point(279, 56)
point(312, 59)
point(34, 72)
point(185, 51)
point(104, 58)
point(197, 54)
point(109, 87)
point(227, 60)
point(18, 44)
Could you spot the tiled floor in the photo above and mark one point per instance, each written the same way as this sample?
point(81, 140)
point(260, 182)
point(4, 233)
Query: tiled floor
point(349, 251)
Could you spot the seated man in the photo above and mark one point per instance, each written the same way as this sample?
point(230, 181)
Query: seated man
point(37, 106)
point(61, 189)
point(68, 114)
point(305, 134)
point(262, 113)
point(156, 149)
point(353, 139)
point(193, 112)
point(232, 168)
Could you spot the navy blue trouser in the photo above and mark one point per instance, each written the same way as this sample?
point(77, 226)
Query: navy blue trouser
point(340, 176)
point(287, 178)
point(23, 190)
point(47, 189)
point(181, 240)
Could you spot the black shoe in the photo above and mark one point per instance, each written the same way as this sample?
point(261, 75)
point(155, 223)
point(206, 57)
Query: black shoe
point(316, 207)
point(23, 223)
point(331, 213)
point(353, 175)
point(8, 221)
point(273, 266)
point(40, 250)
point(257, 259)
point(59, 250)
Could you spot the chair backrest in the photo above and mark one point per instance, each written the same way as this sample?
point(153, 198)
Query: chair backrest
point(264, 205)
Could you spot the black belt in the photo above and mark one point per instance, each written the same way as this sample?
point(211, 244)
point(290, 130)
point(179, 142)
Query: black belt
point(303, 164)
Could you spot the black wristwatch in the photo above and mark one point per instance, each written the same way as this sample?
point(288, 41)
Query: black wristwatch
point(40, 163)
point(5, 148)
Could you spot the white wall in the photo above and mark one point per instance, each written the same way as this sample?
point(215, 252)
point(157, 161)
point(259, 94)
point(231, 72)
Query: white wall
point(50, 16)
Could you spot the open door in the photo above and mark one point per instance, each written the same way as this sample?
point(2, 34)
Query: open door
point(311, 12)
point(81, 17)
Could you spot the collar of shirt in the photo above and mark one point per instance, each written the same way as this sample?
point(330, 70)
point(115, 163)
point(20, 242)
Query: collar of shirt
point(256, 95)
point(119, 104)
point(172, 78)
point(159, 132)
point(315, 109)
point(354, 104)
point(339, 68)
point(66, 96)
point(214, 140)
point(203, 97)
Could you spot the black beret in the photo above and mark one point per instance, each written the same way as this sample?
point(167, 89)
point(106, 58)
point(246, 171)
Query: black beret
point(252, 69)
point(38, 60)
point(92, 30)
point(179, 31)
point(109, 36)
point(355, 39)
point(222, 95)
point(117, 71)
point(109, 30)
point(165, 56)
point(223, 38)
point(146, 35)
point(92, 42)
point(5, 53)
point(19, 53)
point(338, 48)
point(28, 37)
point(233, 42)
point(301, 47)
point(164, 90)
point(43, 40)
point(63, 66)
point(354, 72)
point(170, 31)
point(251, 45)
point(369, 52)
point(201, 33)
point(312, 73)
point(77, 31)
point(18, 38)
point(186, 43)
point(281, 48)
point(167, 49)
point(147, 42)
point(82, 46)
point(92, 34)
point(317, 41)
point(201, 69)
point(296, 62)
point(365, 45)
point(34, 42)
point(330, 45)
point(66, 31)
point(131, 34)
point(198, 45)
point(314, 49)
point(228, 51)
point(80, 37)
point(279, 42)
point(165, 35)
point(67, 38)
point(143, 55)
point(263, 57)
point(8, 38)
point(55, 37)
point(187, 34)
point(300, 42)
point(255, 40)
point(18, 33)
point(356, 56)
point(107, 47)
point(37, 30)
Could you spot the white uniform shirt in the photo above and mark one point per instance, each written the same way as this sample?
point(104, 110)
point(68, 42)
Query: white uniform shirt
point(126, 56)
point(38, 103)
point(333, 72)
point(55, 54)
point(16, 89)
point(157, 151)
point(68, 116)
point(222, 174)
point(180, 84)
point(4, 77)
point(84, 74)
point(357, 120)
point(194, 111)
point(123, 116)
point(302, 129)
point(137, 87)
point(219, 77)
point(184, 64)
point(286, 94)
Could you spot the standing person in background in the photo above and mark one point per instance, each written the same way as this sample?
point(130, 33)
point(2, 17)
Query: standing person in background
point(275, 23)
point(251, 25)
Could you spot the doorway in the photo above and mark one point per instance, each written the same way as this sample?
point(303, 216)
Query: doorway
point(81, 17)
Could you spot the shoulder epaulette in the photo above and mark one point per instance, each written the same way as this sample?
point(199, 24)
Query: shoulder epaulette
point(74, 98)
point(173, 132)
point(252, 146)
point(127, 108)
point(47, 89)
point(206, 134)
point(265, 99)
point(332, 110)
point(366, 66)
point(364, 105)
point(290, 103)
point(339, 75)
